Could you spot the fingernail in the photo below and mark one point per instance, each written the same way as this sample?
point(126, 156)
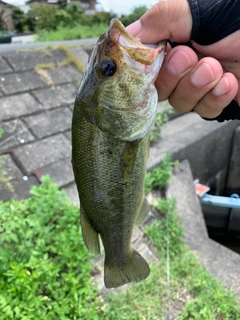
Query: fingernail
point(203, 75)
point(179, 62)
point(222, 87)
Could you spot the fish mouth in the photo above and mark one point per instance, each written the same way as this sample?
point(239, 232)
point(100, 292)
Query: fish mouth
point(146, 54)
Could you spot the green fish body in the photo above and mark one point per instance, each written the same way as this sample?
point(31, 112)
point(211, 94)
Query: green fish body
point(112, 116)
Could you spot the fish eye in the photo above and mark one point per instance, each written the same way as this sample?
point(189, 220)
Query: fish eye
point(108, 68)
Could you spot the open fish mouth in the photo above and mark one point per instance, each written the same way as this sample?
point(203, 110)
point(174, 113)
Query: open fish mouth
point(146, 53)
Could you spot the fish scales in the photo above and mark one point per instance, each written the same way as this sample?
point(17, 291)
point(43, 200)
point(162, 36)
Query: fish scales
point(112, 117)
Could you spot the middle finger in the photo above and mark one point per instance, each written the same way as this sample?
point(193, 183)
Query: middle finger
point(195, 84)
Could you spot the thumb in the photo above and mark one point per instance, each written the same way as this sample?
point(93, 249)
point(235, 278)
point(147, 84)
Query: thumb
point(167, 19)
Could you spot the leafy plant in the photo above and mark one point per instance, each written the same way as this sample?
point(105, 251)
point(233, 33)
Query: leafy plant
point(45, 270)
point(162, 117)
point(160, 175)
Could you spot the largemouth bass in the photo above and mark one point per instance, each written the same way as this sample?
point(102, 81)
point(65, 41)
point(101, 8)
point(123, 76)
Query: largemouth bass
point(114, 110)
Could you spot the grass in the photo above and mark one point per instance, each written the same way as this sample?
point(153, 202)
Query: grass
point(202, 297)
point(160, 175)
point(67, 33)
point(45, 269)
point(162, 117)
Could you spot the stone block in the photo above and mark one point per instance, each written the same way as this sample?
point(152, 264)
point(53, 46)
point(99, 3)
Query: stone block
point(76, 85)
point(61, 172)
point(39, 154)
point(64, 74)
point(10, 168)
point(4, 66)
point(20, 189)
point(206, 144)
point(222, 262)
point(15, 134)
point(56, 96)
point(68, 134)
point(147, 254)
point(17, 106)
point(233, 178)
point(48, 123)
point(21, 82)
point(73, 193)
point(80, 54)
point(29, 59)
point(19, 184)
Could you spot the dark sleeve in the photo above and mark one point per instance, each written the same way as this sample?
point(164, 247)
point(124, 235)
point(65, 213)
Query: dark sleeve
point(231, 112)
point(214, 19)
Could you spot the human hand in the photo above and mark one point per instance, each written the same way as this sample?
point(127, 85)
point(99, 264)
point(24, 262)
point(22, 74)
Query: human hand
point(205, 79)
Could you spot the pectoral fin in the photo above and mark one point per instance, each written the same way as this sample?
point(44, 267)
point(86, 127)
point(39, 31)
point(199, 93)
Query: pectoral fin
point(90, 235)
point(143, 213)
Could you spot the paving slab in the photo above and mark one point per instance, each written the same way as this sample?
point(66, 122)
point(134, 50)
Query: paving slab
point(39, 154)
point(10, 167)
point(64, 74)
point(60, 172)
point(35, 111)
point(20, 189)
point(27, 60)
point(15, 134)
point(18, 185)
point(21, 82)
point(72, 193)
point(56, 96)
point(19, 105)
point(50, 122)
point(68, 134)
point(80, 54)
point(4, 66)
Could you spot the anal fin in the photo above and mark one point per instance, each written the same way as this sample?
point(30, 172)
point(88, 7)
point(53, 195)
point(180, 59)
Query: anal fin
point(143, 213)
point(90, 235)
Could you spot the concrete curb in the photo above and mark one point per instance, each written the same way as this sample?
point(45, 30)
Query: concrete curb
point(219, 260)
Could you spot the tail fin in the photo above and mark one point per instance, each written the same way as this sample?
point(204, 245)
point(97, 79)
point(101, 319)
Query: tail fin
point(133, 269)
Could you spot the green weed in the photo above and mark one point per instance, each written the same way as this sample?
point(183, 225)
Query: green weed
point(69, 33)
point(160, 175)
point(209, 299)
point(162, 118)
point(45, 270)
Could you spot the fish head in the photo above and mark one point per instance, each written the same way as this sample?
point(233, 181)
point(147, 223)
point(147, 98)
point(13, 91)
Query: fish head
point(117, 91)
